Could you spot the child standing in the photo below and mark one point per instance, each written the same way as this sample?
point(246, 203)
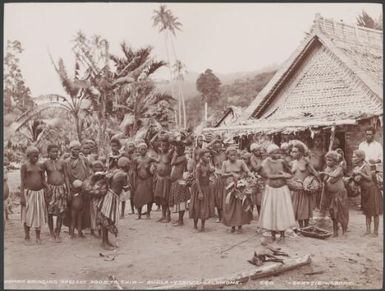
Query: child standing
point(372, 199)
point(108, 207)
point(113, 158)
point(95, 187)
point(180, 192)
point(58, 189)
point(201, 191)
point(277, 213)
point(34, 211)
point(163, 182)
point(335, 194)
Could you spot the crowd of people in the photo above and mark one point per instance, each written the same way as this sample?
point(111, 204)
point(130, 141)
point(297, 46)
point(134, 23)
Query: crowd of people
point(202, 176)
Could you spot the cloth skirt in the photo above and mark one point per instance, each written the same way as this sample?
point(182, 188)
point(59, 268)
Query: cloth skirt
point(277, 209)
point(35, 212)
point(108, 211)
point(143, 192)
point(56, 199)
point(339, 207)
point(162, 190)
point(302, 205)
point(371, 200)
point(237, 212)
point(219, 191)
point(200, 208)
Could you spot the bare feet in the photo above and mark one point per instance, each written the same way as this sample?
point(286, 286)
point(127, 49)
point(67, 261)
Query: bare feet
point(38, 241)
point(107, 247)
point(148, 216)
point(281, 240)
point(161, 219)
point(218, 221)
point(81, 235)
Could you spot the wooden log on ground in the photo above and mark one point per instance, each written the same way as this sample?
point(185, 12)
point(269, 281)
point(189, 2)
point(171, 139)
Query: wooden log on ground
point(266, 270)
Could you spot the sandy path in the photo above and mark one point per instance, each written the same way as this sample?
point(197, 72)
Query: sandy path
point(150, 251)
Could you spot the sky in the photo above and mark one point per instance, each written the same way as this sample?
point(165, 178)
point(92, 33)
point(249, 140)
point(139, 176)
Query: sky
point(226, 37)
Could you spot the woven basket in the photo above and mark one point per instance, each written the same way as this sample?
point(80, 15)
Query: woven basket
point(315, 232)
point(294, 185)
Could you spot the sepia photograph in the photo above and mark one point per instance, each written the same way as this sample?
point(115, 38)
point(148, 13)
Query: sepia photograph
point(199, 146)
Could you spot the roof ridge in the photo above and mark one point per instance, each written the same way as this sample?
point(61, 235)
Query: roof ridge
point(319, 18)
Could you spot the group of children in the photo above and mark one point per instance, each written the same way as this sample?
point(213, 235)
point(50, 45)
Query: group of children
point(83, 191)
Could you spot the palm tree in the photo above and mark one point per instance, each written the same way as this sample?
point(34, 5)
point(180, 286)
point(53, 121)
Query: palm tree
point(168, 23)
point(179, 71)
point(135, 92)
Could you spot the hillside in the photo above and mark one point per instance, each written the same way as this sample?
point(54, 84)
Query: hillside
point(239, 92)
point(189, 84)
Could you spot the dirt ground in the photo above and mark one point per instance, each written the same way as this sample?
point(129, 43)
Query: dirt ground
point(154, 254)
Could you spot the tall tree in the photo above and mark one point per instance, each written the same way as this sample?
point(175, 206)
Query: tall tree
point(209, 86)
point(179, 70)
point(169, 24)
point(136, 94)
point(365, 20)
point(16, 92)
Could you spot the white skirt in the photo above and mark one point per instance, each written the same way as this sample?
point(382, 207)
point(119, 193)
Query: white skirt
point(277, 212)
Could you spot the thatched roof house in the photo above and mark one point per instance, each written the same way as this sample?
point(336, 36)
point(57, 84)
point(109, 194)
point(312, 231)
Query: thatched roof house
point(334, 78)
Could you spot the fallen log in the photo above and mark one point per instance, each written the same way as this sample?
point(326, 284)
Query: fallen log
point(268, 269)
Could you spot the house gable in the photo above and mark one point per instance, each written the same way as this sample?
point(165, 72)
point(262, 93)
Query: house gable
point(320, 86)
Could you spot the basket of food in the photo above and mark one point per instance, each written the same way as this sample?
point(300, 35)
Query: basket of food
point(294, 184)
point(315, 232)
point(311, 184)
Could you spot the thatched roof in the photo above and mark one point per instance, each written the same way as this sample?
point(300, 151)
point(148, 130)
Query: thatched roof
point(336, 71)
point(337, 67)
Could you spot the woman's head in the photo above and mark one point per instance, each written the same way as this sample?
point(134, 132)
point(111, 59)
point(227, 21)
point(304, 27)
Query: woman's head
point(75, 147)
point(232, 153)
point(358, 156)
point(205, 156)
point(97, 166)
point(115, 145)
point(298, 150)
point(256, 149)
point(130, 147)
point(142, 148)
point(273, 151)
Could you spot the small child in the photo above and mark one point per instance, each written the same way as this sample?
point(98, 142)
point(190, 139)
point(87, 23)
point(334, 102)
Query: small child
point(336, 197)
point(58, 189)
point(180, 192)
point(34, 210)
point(77, 207)
point(115, 154)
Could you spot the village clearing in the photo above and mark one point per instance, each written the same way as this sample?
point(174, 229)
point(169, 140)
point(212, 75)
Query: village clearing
point(153, 254)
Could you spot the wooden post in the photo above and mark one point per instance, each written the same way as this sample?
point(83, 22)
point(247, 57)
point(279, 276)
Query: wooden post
point(332, 136)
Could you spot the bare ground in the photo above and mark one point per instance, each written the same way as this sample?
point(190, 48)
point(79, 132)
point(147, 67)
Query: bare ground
point(152, 254)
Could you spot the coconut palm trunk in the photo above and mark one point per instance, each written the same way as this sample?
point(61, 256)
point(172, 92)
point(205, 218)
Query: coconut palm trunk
point(166, 40)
